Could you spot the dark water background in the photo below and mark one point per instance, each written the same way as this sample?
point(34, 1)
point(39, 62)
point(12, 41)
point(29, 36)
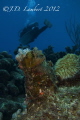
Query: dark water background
point(12, 22)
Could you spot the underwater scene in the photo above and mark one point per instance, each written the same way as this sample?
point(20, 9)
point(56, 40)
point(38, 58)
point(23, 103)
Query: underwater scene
point(39, 59)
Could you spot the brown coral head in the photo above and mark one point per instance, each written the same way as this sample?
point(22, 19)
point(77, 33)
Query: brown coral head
point(33, 58)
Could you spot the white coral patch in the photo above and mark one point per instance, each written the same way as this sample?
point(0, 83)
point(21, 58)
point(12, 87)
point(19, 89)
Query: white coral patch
point(21, 54)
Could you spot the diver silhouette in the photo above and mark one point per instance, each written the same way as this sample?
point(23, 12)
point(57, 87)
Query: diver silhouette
point(32, 31)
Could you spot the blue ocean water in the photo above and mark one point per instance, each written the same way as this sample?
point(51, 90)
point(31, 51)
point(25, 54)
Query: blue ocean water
point(14, 17)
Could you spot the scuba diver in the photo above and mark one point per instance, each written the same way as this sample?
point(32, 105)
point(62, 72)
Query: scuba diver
point(31, 32)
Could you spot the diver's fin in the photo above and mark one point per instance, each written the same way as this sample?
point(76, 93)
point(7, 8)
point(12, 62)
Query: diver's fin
point(47, 23)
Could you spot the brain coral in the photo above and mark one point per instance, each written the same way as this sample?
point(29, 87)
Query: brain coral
point(68, 66)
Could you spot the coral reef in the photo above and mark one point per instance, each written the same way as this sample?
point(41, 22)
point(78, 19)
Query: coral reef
point(12, 92)
point(51, 55)
point(46, 102)
point(52, 91)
